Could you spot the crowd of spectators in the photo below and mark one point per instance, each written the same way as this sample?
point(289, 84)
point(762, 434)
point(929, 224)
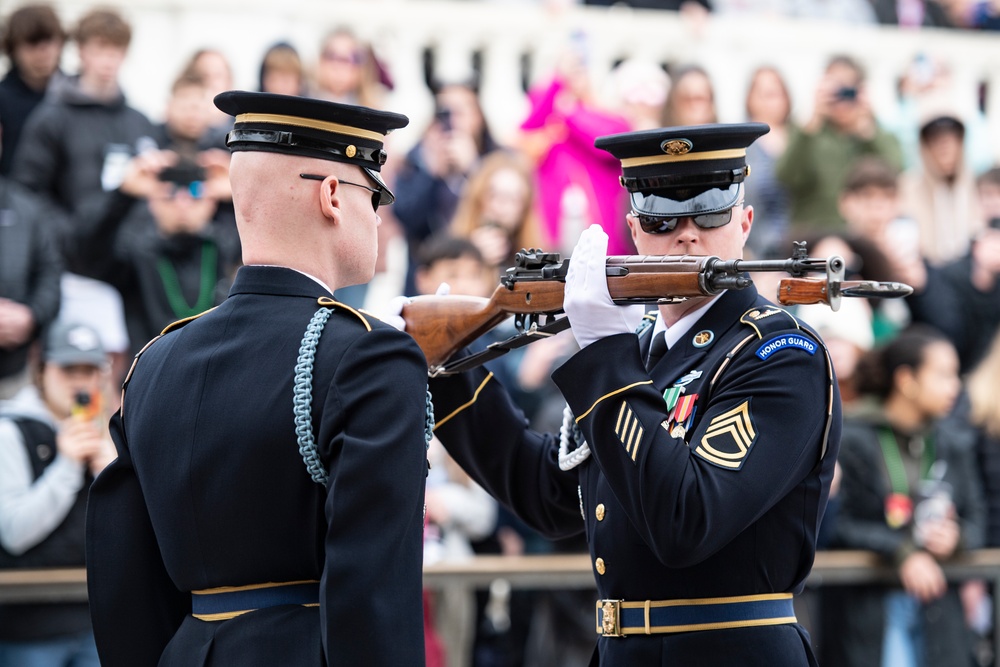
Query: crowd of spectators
point(120, 224)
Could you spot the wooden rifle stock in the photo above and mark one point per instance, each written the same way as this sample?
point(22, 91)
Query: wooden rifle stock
point(443, 325)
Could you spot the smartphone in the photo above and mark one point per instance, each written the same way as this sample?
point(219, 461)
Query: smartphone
point(443, 118)
point(846, 94)
point(183, 173)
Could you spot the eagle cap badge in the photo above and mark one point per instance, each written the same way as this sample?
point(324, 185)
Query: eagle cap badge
point(676, 146)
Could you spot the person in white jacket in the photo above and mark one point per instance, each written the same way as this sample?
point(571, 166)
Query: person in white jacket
point(53, 440)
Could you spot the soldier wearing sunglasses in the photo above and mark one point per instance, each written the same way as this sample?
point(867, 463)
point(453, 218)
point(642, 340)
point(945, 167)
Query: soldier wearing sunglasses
point(699, 440)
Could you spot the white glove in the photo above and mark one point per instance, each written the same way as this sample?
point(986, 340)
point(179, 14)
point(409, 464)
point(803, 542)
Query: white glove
point(392, 313)
point(587, 302)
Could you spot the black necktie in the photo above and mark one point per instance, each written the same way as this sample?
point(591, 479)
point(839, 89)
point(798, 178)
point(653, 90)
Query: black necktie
point(657, 349)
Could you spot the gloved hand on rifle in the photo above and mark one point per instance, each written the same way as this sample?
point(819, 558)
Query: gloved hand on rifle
point(392, 312)
point(587, 302)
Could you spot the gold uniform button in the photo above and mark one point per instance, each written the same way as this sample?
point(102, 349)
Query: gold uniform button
point(600, 512)
point(599, 564)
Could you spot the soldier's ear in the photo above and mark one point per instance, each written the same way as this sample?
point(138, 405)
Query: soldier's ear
point(329, 199)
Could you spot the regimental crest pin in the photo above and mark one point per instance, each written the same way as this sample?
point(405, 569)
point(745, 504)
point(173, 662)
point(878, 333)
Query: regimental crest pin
point(703, 338)
point(677, 146)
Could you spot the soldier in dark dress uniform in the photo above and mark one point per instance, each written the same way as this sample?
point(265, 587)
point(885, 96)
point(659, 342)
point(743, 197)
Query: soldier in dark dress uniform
point(700, 476)
point(266, 504)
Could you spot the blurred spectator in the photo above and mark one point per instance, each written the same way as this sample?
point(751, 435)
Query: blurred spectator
point(169, 257)
point(911, 13)
point(821, 153)
point(497, 210)
point(962, 297)
point(768, 102)
point(212, 66)
point(640, 88)
point(33, 41)
point(927, 86)
point(577, 184)
point(186, 128)
point(983, 409)
point(30, 266)
point(869, 204)
point(940, 193)
point(74, 153)
point(53, 441)
point(431, 179)
point(691, 100)
point(348, 71)
point(848, 332)
point(459, 511)
point(910, 492)
point(281, 71)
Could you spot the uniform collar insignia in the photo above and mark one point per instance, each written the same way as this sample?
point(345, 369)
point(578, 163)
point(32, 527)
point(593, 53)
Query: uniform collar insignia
point(703, 338)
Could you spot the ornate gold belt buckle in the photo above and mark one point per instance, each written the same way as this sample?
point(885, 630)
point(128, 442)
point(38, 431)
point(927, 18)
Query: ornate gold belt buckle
point(610, 618)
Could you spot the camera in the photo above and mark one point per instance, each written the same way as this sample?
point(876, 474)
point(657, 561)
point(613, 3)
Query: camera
point(846, 94)
point(442, 115)
point(183, 173)
point(994, 223)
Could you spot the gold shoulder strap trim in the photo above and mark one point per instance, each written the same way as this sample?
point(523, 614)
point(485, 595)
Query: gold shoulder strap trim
point(327, 302)
point(609, 395)
point(475, 397)
point(173, 326)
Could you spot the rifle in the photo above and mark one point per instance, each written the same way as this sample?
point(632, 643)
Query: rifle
point(532, 291)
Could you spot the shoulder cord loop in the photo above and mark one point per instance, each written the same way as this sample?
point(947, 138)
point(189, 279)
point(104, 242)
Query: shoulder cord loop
point(302, 399)
point(302, 396)
point(570, 431)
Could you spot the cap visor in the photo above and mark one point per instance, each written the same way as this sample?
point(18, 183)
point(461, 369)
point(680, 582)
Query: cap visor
point(661, 206)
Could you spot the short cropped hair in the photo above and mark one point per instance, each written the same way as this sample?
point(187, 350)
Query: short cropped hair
point(106, 24)
point(31, 24)
point(442, 246)
point(871, 172)
point(989, 177)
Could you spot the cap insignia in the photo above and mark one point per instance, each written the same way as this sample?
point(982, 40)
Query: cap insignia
point(676, 146)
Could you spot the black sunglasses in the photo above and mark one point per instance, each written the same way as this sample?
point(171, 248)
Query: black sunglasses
point(652, 224)
point(376, 192)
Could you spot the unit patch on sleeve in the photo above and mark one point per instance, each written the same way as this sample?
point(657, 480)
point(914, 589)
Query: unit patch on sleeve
point(728, 438)
point(786, 342)
point(628, 429)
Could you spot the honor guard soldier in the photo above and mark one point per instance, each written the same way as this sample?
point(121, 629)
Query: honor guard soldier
point(266, 506)
point(697, 455)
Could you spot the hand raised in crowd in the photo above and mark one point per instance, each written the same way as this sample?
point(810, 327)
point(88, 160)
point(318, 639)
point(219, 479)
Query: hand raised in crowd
point(845, 105)
point(141, 178)
point(922, 577)
point(215, 161)
point(986, 259)
point(17, 322)
point(493, 243)
point(81, 440)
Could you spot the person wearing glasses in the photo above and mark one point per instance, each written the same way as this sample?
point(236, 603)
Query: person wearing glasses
point(266, 506)
point(699, 441)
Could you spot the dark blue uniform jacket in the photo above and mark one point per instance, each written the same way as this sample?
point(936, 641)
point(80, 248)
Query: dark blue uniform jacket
point(732, 508)
point(209, 489)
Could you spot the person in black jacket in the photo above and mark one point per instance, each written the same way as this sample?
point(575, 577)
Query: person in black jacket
point(33, 41)
point(175, 253)
point(911, 493)
point(266, 506)
point(76, 146)
point(30, 266)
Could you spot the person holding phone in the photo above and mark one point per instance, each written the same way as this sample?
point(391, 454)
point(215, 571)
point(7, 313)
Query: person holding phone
point(53, 441)
point(820, 153)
